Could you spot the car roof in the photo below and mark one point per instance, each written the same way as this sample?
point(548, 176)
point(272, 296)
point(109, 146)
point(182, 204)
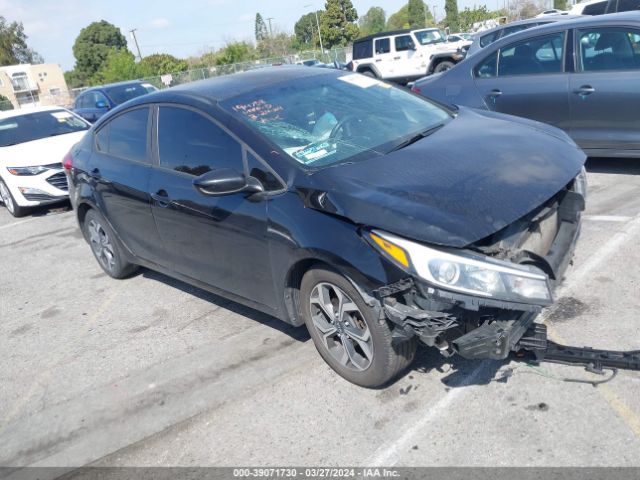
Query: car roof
point(571, 22)
point(220, 88)
point(116, 84)
point(547, 18)
point(26, 111)
point(392, 32)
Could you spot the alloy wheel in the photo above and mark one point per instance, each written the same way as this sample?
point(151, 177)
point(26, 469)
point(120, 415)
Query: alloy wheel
point(6, 198)
point(101, 245)
point(344, 332)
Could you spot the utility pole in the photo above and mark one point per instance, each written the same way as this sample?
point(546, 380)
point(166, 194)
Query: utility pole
point(318, 25)
point(135, 40)
point(270, 30)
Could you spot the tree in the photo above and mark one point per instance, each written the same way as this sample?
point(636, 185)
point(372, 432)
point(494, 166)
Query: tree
point(235, 52)
point(451, 19)
point(93, 46)
point(400, 19)
point(161, 63)
point(416, 14)
point(278, 44)
point(338, 25)
point(261, 29)
point(373, 21)
point(468, 17)
point(5, 104)
point(119, 66)
point(306, 29)
point(13, 45)
point(560, 4)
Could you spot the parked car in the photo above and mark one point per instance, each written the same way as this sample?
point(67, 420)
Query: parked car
point(581, 75)
point(404, 55)
point(32, 144)
point(553, 11)
point(601, 7)
point(486, 38)
point(95, 102)
point(334, 200)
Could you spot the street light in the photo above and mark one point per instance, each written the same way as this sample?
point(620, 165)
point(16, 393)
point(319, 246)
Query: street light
point(318, 24)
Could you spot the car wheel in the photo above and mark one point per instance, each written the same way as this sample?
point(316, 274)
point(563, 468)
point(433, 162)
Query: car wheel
point(347, 332)
point(443, 66)
point(369, 73)
point(105, 246)
point(11, 205)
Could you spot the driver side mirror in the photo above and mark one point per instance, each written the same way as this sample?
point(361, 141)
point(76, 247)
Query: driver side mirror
point(225, 181)
point(413, 46)
point(101, 104)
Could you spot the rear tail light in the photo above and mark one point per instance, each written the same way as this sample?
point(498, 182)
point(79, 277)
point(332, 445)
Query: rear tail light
point(415, 89)
point(67, 162)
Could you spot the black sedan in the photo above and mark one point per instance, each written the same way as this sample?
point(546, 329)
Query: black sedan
point(579, 75)
point(334, 200)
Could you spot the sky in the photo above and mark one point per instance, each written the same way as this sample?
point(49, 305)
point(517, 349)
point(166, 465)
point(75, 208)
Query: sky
point(181, 28)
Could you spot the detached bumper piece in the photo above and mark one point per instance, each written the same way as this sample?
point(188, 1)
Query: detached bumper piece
point(544, 350)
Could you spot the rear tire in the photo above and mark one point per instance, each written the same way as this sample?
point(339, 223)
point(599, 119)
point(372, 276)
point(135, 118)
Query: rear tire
point(105, 246)
point(368, 73)
point(12, 207)
point(347, 333)
point(443, 66)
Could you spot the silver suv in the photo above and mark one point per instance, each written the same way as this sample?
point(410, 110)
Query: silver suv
point(404, 55)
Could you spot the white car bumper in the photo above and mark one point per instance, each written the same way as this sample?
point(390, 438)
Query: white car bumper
point(32, 190)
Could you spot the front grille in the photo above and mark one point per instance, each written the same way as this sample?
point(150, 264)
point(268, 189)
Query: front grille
point(59, 180)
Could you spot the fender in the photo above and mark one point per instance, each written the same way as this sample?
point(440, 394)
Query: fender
point(369, 66)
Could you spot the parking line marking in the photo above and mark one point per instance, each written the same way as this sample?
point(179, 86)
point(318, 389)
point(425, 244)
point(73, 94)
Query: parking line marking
point(20, 222)
point(389, 453)
point(607, 218)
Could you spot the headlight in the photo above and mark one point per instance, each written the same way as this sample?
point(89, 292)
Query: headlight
point(38, 169)
point(471, 274)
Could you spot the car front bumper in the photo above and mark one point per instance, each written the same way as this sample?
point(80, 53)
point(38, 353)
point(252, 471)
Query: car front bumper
point(33, 190)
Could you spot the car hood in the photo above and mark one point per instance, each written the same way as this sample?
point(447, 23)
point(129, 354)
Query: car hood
point(468, 180)
point(39, 152)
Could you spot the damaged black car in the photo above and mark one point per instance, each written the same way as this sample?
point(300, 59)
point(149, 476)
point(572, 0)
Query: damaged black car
point(379, 219)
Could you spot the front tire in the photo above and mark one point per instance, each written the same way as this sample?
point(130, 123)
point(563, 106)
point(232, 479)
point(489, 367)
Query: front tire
point(12, 207)
point(105, 246)
point(347, 332)
point(443, 66)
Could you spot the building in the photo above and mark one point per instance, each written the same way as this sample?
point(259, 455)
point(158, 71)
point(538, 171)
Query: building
point(34, 85)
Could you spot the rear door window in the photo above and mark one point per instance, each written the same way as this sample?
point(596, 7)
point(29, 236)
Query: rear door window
point(628, 5)
point(383, 45)
point(533, 56)
point(488, 68)
point(362, 50)
point(126, 136)
point(608, 49)
point(189, 142)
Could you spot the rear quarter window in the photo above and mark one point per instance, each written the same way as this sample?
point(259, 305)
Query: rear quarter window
point(363, 49)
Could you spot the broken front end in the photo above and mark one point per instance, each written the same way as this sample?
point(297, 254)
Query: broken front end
point(480, 301)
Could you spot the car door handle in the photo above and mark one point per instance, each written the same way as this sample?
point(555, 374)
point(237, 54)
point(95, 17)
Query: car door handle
point(161, 198)
point(378, 59)
point(585, 90)
point(495, 93)
point(396, 58)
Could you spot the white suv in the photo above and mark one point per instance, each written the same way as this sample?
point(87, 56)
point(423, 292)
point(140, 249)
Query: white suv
point(404, 55)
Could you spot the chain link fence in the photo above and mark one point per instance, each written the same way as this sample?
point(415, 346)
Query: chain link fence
point(171, 79)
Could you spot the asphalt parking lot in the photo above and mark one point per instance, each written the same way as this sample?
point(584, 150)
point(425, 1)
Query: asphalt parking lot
point(150, 371)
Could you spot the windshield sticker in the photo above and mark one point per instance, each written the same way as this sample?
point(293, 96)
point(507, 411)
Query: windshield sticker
point(360, 80)
point(61, 116)
point(315, 152)
point(259, 111)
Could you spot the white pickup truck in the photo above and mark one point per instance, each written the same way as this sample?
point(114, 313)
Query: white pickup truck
point(404, 55)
